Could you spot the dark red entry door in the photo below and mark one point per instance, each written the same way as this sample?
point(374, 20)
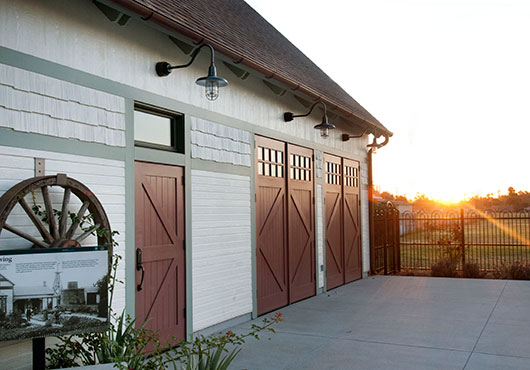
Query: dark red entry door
point(159, 242)
point(343, 237)
point(285, 253)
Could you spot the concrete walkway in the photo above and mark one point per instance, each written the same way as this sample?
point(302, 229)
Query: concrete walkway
point(395, 322)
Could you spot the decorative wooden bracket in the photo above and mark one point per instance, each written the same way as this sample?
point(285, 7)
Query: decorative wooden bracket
point(240, 73)
point(275, 89)
point(184, 47)
point(113, 15)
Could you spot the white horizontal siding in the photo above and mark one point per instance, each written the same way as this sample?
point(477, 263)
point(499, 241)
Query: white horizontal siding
point(221, 247)
point(215, 142)
point(105, 178)
point(31, 102)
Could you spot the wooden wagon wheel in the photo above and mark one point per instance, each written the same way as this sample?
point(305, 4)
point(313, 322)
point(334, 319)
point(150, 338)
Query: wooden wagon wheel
point(57, 234)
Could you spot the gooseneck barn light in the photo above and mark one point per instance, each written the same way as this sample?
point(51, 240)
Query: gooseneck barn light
point(211, 82)
point(324, 127)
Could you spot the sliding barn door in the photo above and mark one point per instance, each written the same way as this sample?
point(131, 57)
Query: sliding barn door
point(159, 243)
point(342, 217)
point(271, 225)
point(302, 282)
point(285, 237)
point(352, 230)
point(333, 221)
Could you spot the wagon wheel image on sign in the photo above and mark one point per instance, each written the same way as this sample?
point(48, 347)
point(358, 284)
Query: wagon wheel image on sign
point(52, 212)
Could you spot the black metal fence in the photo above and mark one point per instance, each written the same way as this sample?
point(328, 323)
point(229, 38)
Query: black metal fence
point(485, 238)
point(386, 241)
point(417, 240)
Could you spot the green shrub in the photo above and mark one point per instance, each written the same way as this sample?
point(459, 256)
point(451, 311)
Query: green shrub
point(515, 271)
point(444, 267)
point(13, 321)
point(472, 270)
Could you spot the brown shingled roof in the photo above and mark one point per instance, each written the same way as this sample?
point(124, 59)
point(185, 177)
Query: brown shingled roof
point(238, 31)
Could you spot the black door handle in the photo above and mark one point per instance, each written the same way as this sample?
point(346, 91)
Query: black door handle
point(139, 267)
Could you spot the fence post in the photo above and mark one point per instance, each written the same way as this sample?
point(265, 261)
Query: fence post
point(462, 238)
point(385, 242)
point(397, 234)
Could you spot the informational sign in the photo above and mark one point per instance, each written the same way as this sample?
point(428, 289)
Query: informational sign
point(50, 292)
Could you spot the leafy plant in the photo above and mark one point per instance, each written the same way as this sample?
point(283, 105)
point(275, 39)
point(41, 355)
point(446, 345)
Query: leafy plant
point(472, 270)
point(444, 267)
point(211, 353)
point(515, 271)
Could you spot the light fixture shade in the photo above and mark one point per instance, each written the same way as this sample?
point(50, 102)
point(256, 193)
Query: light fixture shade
point(212, 83)
point(324, 127)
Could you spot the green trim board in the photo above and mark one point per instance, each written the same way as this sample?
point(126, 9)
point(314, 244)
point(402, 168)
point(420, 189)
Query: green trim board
point(158, 156)
point(130, 273)
point(253, 246)
point(187, 222)
point(319, 236)
point(10, 137)
point(211, 166)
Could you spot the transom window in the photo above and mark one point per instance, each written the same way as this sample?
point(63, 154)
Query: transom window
point(333, 174)
point(270, 162)
point(158, 129)
point(351, 176)
point(299, 167)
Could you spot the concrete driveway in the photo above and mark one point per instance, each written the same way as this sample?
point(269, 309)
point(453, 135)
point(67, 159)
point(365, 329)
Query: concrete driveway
point(395, 322)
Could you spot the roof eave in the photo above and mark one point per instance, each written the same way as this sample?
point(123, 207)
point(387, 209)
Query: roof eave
point(148, 15)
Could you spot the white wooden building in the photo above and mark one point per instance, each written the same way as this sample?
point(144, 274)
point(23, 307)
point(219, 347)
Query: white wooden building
point(256, 211)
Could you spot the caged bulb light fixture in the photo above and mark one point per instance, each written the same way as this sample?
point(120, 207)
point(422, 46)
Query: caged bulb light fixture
point(211, 82)
point(324, 126)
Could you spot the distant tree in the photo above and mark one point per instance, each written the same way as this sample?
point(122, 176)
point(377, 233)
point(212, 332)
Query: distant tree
point(387, 196)
point(421, 201)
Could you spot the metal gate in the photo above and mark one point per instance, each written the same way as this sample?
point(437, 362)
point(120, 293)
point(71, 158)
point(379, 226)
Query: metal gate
point(285, 253)
point(386, 247)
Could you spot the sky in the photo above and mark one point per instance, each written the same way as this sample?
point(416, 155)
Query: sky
point(450, 79)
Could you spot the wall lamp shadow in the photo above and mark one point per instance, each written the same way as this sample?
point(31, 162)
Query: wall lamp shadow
point(211, 82)
point(324, 126)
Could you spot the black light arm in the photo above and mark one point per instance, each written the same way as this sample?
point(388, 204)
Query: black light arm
point(346, 137)
point(164, 68)
point(289, 116)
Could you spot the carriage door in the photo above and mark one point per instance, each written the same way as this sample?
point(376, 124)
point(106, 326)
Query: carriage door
point(333, 221)
point(160, 256)
point(285, 242)
point(343, 236)
point(271, 225)
point(302, 282)
point(351, 225)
